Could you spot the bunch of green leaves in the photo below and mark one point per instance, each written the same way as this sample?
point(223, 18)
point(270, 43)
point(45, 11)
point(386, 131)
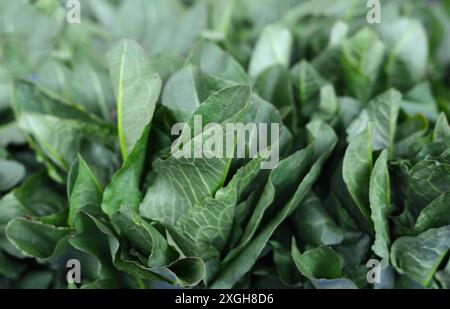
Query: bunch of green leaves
point(87, 171)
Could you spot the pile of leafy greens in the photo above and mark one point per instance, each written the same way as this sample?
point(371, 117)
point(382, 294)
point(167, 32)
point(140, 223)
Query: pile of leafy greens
point(87, 172)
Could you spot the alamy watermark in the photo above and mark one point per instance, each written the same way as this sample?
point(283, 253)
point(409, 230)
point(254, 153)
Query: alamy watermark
point(74, 274)
point(374, 14)
point(73, 15)
point(374, 274)
point(230, 140)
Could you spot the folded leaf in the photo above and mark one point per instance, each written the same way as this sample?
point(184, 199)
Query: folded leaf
point(434, 215)
point(36, 239)
point(357, 169)
point(420, 257)
point(380, 203)
point(86, 191)
point(322, 266)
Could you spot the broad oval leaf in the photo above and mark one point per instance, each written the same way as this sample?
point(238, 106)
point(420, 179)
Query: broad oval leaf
point(273, 47)
point(137, 87)
point(406, 40)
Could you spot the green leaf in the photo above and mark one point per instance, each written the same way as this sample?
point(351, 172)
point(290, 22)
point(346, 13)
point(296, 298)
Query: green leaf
point(185, 271)
point(328, 61)
point(314, 225)
point(441, 132)
point(273, 47)
point(383, 112)
point(434, 215)
point(190, 270)
point(244, 181)
point(36, 239)
point(322, 266)
point(339, 33)
point(286, 267)
point(182, 27)
point(411, 136)
point(420, 99)
point(86, 191)
point(10, 134)
point(239, 262)
point(380, 203)
point(11, 174)
point(443, 276)
point(9, 267)
point(357, 169)
point(145, 237)
point(310, 82)
point(329, 105)
point(125, 186)
point(349, 109)
point(178, 183)
point(319, 263)
point(406, 40)
point(274, 84)
point(37, 197)
point(28, 98)
point(90, 239)
point(362, 57)
point(137, 87)
point(428, 179)
point(420, 257)
point(279, 186)
point(224, 106)
point(214, 61)
point(59, 139)
point(187, 89)
point(207, 224)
